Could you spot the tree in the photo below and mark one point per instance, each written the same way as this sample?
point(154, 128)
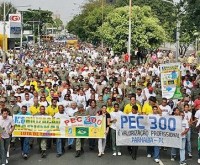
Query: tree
point(58, 22)
point(87, 23)
point(9, 9)
point(36, 17)
point(146, 31)
point(192, 11)
point(164, 11)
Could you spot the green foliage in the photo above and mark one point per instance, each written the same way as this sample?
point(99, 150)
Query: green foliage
point(86, 24)
point(58, 22)
point(164, 11)
point(192, 8)
point(9, 10)
point(36, 17)
point(146, 31)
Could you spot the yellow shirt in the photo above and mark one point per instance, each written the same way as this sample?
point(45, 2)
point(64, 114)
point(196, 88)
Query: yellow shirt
point(110, 109)
point(48, 98)
point(147, 109)
point(34, 109)
point(51, 111)
point(128, 108)
point(33, 83)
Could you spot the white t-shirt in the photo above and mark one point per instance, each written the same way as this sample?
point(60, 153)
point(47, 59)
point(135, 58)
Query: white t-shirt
point(188, 116)
point(166, 110)
point(70, 112)
point(185, 125)
point(115, 115)
point(197, 115)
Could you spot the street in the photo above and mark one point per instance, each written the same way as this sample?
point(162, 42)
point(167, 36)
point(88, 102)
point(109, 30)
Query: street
point(91, 158)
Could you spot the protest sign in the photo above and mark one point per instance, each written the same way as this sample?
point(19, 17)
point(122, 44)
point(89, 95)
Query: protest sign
point(152, 130)
point(171, 80)
point(48, 127)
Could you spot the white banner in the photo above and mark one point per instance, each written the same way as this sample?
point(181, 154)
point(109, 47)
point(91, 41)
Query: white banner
point(152, 130)
point(170, 80)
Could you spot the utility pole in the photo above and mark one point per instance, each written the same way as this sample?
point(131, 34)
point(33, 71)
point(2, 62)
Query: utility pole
point(129, 30)
point(102, 16)
point(4, 32)
point(21, 37)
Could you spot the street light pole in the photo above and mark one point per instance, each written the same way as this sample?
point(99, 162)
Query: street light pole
point(102, 14)
point(4, 32)
point(177, 39)
point(21, 37)
point(129, 30)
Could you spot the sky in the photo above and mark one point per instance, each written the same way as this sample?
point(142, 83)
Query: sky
point(66, 8)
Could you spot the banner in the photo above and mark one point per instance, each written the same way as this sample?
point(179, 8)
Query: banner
point(171, 80)
point(152, 130)
point(49, 127)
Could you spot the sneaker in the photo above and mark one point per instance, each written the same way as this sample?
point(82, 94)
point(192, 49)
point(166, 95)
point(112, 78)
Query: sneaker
point(114, 154)
point(149, 156)
point(156, 160)
point(6, 161)
point(8, 155)
point(190, 155)
point(102, 153)
point(25, 156)
point(119, 153)
point(173, 158)
point(183, 163)
point(198, 161)
point(99, 155)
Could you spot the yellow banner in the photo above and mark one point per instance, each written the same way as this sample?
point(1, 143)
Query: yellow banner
point(49, 127)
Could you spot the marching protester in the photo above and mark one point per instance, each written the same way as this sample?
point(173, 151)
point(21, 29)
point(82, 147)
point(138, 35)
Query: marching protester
point(102, 142)
point(133, 149)
point(80, 142)
point(25, 146)
point(114, 117)
point(60, 142)
point(7, 127)
point(42, 142)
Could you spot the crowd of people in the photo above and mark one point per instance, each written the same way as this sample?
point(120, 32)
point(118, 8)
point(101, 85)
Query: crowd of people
point(59, 82)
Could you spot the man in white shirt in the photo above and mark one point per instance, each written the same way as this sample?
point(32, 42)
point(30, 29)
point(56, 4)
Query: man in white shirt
point(60, 143)
point(197, 119)
point(188, 117)
point(166, 109)
point(185, 129)
point(72, 109)
point(114, 116)
point(140, 97)
point(27, 102)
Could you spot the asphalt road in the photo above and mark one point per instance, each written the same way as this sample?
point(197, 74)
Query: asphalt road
point(91, 158)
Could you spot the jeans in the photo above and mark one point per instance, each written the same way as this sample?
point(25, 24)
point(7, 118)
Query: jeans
point(101, 145)
point(114, 146)
point(150, 150)
point(70, 141)
point(25, 145)
point(3, 149)
point(188, 141)
point(156, 154)
point(182, 150)
point(60, 144)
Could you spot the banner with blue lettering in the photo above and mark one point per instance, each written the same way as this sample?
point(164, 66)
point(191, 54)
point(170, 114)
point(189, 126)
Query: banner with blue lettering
point(152, 130)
